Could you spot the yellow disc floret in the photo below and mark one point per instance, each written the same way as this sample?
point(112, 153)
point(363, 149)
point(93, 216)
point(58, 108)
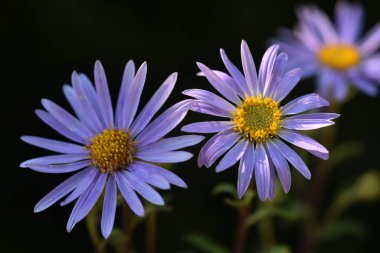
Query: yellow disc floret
point(339, 56)
point(111, 150)
point(258, 119)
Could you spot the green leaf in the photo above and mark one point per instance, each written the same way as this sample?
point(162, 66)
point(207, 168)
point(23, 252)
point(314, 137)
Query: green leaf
point(204, 243)
point(270, 211)
point(367, 187)
point(343, 228)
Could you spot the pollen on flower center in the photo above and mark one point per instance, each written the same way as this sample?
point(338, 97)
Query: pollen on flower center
point(111, 150)
point(339, 56)
point(258, 119)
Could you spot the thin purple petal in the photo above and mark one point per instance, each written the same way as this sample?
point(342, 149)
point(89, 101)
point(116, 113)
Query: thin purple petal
point(207, 127)
point(103, 94)
point(154, 104)
point(245, 170)
point(232, 156)
point(109, 207)
point(54, 145)
point(304, 103)
point(305, 142)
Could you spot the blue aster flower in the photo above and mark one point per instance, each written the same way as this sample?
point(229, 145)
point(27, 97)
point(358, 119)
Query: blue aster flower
point(111, 151)
point(256, 124)
point(335, 54)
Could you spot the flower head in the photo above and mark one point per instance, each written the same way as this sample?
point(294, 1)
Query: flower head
point(256, 123)
point(115, 151)
point(335, 54)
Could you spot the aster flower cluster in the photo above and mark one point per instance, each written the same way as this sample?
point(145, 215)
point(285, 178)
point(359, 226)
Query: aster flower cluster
point(119, 150)
point(336, 54)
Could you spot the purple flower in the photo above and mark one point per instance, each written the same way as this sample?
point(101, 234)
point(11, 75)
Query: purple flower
point(111, 151)
point(255, 123)
point(335, 54)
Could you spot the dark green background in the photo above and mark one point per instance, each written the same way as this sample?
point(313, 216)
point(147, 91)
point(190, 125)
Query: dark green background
point(44, 41)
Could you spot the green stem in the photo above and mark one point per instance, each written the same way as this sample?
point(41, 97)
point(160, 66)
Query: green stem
point(128, 228)
point(241, 229)
point(151, 233)
point(267, 233)
point(97, 241)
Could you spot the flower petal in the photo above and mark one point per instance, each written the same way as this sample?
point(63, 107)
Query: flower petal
point(166, 174)
point(262, 171)
point(165, 156)
point(170, 144)
point(154, 104)
point(149, 176)
point(125, 90)
point(305, 142)
point(61, 168)
point(220, 147)
point(204, 107)
point(83, 186)
point(349, 20)
point(229, 81)
point(209, 143)
point(129, 194)
point(143, 189)
point(109, 207)
point(277, 73)
point(66, 119)
point(78, 109)
point(163, 124)
point(59, 127)
point(207, 127)
point(103, 94)
point(266, 68)
point(249, 69)
point(272, 185)
point(286, 84)
point(133, 97)
point(245, 170)
point(232, 156)
point(281, 165)
point(371, 42)
point(219, 84)
point(309, 121)
point(87, 200)
point(60, 191)
point(54, 145)
point(211, 99)
point(304, 103)
point(91, 114)
point(235, 73)
point(292, 157)
point(87, 89)
point(54, 159)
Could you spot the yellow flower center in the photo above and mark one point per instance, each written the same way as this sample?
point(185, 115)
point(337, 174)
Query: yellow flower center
point(258, 119)
point(111, 150)
point(339, 56)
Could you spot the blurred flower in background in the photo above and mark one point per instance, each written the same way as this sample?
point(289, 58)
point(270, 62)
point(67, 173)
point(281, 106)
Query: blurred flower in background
point(335, 54)
point(256, 122)
point(116, 151)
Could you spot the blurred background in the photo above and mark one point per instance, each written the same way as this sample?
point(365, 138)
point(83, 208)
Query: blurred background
point(44, 41)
